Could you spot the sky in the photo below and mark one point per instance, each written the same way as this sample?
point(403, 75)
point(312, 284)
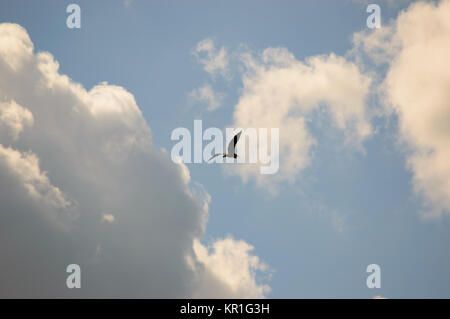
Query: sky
point(86, 176)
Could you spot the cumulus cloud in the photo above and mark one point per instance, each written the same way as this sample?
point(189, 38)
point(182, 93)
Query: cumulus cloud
point(380, 46)
point(231, 263)
point(206, 95)
point(282, 92)
point(215, 61)
point(416, 90)
point(15, 46)
point(13, 119)
point(82, 183)
point(22, 170)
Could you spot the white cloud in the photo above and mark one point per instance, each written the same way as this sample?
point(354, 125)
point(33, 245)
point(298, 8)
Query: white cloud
point(82, 183)
point(230, 262)
point(22, 172)
point(416, 88)
point(282, 92)
point(380, 46)
point(207, 96)
point(13, 119)
point(215, 61)
point(15, 46)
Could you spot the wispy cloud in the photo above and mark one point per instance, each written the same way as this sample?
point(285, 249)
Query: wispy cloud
point(215, 61)
point(206, 95)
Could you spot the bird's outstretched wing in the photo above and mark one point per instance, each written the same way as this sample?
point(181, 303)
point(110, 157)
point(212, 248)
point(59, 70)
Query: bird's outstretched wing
point(215, 155)
point(233, 142)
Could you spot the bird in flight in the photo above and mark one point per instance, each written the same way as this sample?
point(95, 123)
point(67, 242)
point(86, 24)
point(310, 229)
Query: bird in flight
point(231, 148)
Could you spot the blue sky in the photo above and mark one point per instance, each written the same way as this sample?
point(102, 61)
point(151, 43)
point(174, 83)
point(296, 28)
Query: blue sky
point(344, 211)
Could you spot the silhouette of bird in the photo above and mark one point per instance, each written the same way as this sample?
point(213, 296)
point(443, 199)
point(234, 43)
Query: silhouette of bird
point(231, 148)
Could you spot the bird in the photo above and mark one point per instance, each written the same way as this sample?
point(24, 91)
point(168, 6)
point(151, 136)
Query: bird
point(231, 148)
